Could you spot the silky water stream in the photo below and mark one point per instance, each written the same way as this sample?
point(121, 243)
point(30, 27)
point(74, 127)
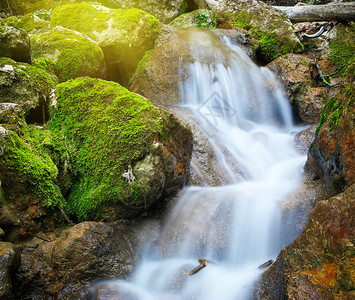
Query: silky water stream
point(236, 226)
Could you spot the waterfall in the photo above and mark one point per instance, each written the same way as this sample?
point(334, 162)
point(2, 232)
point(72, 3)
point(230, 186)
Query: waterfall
point(236, 226)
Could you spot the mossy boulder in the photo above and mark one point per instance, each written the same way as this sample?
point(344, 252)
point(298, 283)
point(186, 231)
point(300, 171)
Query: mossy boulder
point(28, 179)
point(125, 154)
point(319, 264)
point(28, 86)
point(28, 22)
point(73, 54)
point(274, 32)
point(124, 35)
point(14, 43)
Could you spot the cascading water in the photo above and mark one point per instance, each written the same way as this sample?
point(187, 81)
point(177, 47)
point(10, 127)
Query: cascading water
point(248, 122)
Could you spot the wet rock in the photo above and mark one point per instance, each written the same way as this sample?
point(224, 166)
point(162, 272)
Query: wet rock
point(304, 139)
point(27, 86)
point(66, 264)
point(319, 264)
point(161, 72)
point(124, 35)
point(332, 154)
point(146, 156)
point(9, 261)
point(299, 77)
point(73, 54)
point(15, 44)
point(274, 32)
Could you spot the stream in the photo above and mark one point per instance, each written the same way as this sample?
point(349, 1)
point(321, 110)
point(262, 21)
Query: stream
point(236, 226)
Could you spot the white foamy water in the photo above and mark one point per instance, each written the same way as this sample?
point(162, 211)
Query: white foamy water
point(242, 111)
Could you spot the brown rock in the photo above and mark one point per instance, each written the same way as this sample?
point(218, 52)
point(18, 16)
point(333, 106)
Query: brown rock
point(300, 78)
point(9, 260)
point(65, 266)
point(319, 264)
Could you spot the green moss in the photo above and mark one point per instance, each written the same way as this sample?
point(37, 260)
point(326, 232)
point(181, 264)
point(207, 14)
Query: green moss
point(275, 36)
point(105, 128)
point(334, 108)
point(343, 46)
point(74, 55)
point(44, 63)
point(10, 21)
point(28, 85)
point(28, 169)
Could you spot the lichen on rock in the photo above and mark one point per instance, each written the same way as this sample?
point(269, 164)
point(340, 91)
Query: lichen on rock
point(73, 54)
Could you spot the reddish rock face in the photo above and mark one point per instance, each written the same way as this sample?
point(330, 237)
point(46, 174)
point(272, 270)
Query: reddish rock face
point(320, 263)
point(300, 78)
point(332, 155)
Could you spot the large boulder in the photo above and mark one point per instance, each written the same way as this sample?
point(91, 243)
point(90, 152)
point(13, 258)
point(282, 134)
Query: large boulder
point(66, 264)
point(300, 79)
point(124, 35)
point(161, 71)
point(9, 261)
point(73, 54)
point(14, 43)
point(125, 155)
point(28, 86)
point(319, 264)
point(269, 26)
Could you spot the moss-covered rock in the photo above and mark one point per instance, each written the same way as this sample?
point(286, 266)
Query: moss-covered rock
point(196, 18)
point(28, 86)
point(274, 31)
point(28, 22)
point(73, 54)
point(125, 154)
point(124, 35)
point(14, 43)
point(319, 264)
point(28, 180)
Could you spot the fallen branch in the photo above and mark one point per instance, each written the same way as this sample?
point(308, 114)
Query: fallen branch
point(312, 13)
point(317, 34)
point(203, 263)
point(321, 73)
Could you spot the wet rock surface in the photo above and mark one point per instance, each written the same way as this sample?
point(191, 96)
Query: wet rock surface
point(9, 261)
point(319, 264)
point(66, 264)
point(300, 79)
point(160, 73)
